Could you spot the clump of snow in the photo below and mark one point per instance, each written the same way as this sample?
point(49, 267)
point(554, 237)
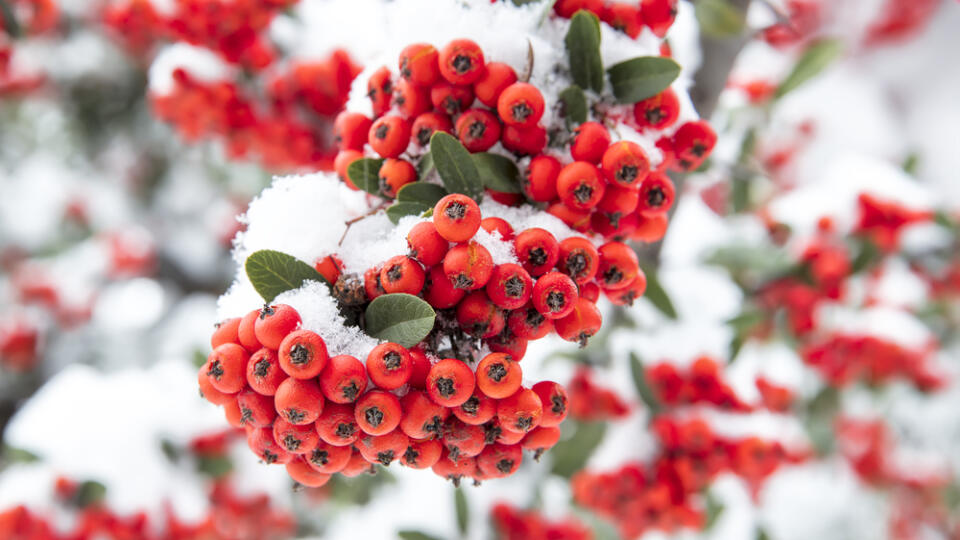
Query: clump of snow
point(318, 311)
point(373, 240)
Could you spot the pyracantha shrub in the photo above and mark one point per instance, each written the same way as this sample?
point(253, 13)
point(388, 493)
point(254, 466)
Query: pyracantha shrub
point(383, 314)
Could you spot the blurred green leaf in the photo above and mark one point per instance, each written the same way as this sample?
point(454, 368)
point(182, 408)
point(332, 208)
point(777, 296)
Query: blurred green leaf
point(11, 454)
point(656, 294)
point(910, 164)
point(820, 414)
point(714, 510)
point(89, 492)
point(416, 535)
point(815, 59)
point(214, 466)
point(463, 510)
point(570, 455)
point(868, 255)
point(639, 376)
point(10, 23)
point(717, 18)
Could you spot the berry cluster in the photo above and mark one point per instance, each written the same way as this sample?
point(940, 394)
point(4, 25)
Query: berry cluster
point(514, 524)
point(589, 401)
point(287, 132)
point(627, 17)
point(664, 494)
point(608, 188)
point(843, 359)
point(19, 344)
point(320, 414)
point(701, 383)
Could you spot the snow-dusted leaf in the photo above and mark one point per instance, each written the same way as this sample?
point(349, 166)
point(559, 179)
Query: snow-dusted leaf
point(639, 377)
point(365, 174)
point(570, 455)
point(574, 104)
point(400, 318)
point(463, 510)
point(272, 273)
point(642, 77)
point(814, 60)
point(456, 168)
point(398, 210)
point(583, 50)
point(421, 192)
point(497, 172)
point(718, 18)
point(657, 295)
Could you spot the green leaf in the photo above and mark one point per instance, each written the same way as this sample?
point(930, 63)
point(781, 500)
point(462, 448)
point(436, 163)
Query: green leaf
point(583, 50)
point(570, 455)
point(817, 57)
point(717, 18)
point(643, 77)
point(415, 535)
point(89, 492)
point(425, 166)
point(398, 210)
point(639, 376)
point(714, 510)
point(10, 23)
point(497, 172)
point(272, 273)
point(400, 318)
point(868, 255)
point(421, 192)
point(910, 163)
point(463, 510)
point(214, 466)
point(574, 104)
point(364, 173)
point(12, 454)
point(657, 295)
point(762, 534)
point(820, 416)
point(457, 169)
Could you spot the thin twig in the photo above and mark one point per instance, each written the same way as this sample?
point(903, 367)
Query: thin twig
point(350, 222)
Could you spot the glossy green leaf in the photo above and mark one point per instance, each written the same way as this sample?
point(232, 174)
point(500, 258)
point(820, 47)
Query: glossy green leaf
point(497, 172)
point(364, 173)
point(574, 104)
point(421, 192)
point(583, 50)
point(398, 210)
point(457, 169)
point(400, 318)
point(643, 77)
point(272, 273)
point(815, 59)
point(718, 18)
point(425, 166)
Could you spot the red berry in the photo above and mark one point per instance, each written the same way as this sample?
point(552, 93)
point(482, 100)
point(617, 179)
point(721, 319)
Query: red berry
point(554, 400)
point(478, 130)
point(540, 182)
point(301, 472)
point(428, 123)
point(507, 342)
point(499, 461)
point(499, 225)
point(245, 332)
point(378, 412)
point(303, 354)
point(208, 392)
point(625, 164)
point(451, 99)
point(537, 250)
point(456, 217)
point(274, 323)
point(478, 316)
point(256, 410)
point(461, 62)
point(658, 15)
point(411, 100)
point(659, 111)
point(590, 141)
point(343, 379)
point(618, 266)
point(226, 332)
point(692, 143)
point(371, 283)
point(578, 259)
point(394, 174)
point(468, 266)
point(389, 136)
point(625, 18)
point(426, 244)
point(342, 162)
point(260, 440)
point(555, 295)
point(476, 410)
point(418, 64)
point(226, 368)
point(422, 454)
point(529, 323)
point(650, 228)
point(619, 201)
point(521, 105)
point(380, 90)
point(295, 439)
point(580, 186)
point(524, 141)
point(520, 412)
point(450, 382)
point(383, 449)
point(590, 291)
point(422, 418)
point(299, 402)
point(510, 286)
point(329, 267)
point(495, 79)
point(357, 465)
point(420, 366)
point(402, 274)
point(627, 295)
point(454, 470)
point(350, 130)
point(389, 366)
point(541, 439)
point(462, 440)
point(498, 375)
point(578, 220)
point(581, 323)
point(656, 194)
point(327, 458)
point(264, 374)
point(337, 425)
point(438, 290)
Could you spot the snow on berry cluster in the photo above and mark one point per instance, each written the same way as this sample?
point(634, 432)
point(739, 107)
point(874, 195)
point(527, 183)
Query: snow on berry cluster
point(382, 314)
